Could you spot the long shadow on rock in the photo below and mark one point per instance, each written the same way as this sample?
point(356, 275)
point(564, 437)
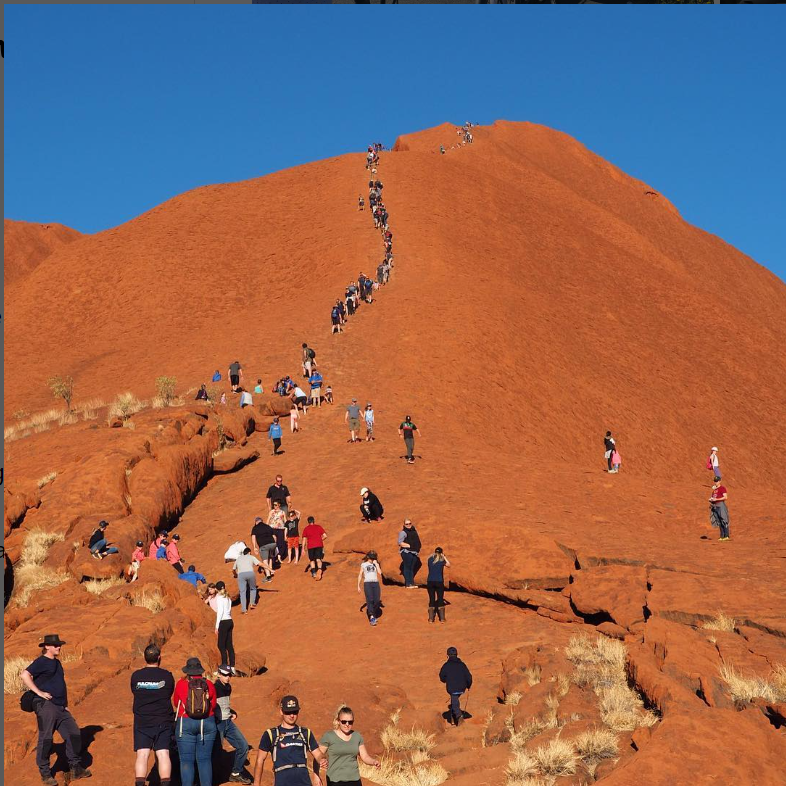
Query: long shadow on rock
point(88, 737)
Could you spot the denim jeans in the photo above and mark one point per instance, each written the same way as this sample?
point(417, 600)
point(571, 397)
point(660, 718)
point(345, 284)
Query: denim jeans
point(455, 704)
point(195, 739)
point(372, 591)
point(408, 561)
point(230, 732)
point(247, 582)
point(101, 545)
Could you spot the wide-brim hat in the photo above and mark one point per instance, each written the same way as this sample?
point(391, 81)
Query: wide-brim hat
point(193, 667)
point(52, 640)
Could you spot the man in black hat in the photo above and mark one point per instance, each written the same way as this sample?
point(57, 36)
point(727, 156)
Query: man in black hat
point(45, 677)
point(288, 745)
point(98, 542)
point(457, 678)
point(152, 687)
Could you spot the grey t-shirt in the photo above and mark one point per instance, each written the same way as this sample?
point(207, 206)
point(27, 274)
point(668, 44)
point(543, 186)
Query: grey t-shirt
point(342, 756)
point(245, 563)
point(354, 412)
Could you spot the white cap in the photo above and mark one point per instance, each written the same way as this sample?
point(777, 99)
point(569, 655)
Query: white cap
point(363, 491)
point(713, 449)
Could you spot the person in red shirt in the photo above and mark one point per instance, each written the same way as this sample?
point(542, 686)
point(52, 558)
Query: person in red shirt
point(195, 729)
point(314, 537)
point(154, 546)
point(719, 513)
point(132, 571)
point(173, 554)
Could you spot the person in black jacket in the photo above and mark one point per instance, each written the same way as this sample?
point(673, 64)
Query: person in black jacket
point(371, 508)
point(610, 445)
point(457, 678)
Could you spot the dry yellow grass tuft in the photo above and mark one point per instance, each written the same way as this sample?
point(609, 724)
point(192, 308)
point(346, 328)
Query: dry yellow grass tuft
point(595, 745)
point(46, 479)
point(557, 758)
point(89, 409)
point(512, 699)
point(40, 421)
point(125, 405)
point(746, 688)
point(721, 622)
point(30, 575)
point(534, 726)
point(397, 739)
point(12, 674)
point(97, 586)
point(601, 665)
point(521, 769)
point(392, 772)
point(149, 598)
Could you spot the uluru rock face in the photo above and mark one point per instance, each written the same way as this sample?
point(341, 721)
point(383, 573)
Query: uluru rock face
point(539, 297)
point(26, 245)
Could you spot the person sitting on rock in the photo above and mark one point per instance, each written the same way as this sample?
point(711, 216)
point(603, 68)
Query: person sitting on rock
point(201, 394)
point(98, 545)
point(154, 546)
point(192, 577)
point(371, 508)
point(172, 554)
point(161, 550)
point(216, 376)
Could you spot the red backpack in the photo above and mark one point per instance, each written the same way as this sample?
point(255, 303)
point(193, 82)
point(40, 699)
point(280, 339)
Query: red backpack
point(709, 462)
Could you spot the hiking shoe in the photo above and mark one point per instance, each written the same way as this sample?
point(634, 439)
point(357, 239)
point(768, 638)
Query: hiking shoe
point(48, 780)
point(372, 620)
point(79, 772)
point(95, 555)
point(240, 777)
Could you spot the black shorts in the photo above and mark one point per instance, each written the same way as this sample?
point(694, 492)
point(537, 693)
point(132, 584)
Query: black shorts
point(234, 379)
point(153, 737)
point(315, 554)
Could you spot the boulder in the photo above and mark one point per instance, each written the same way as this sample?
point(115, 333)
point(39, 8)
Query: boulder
point(618, 591)
point(234, 459)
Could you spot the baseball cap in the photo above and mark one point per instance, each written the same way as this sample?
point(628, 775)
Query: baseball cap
point(290, 704)
point(363, 491)
point(452, 652)
point(225, 670)
point(140, 543)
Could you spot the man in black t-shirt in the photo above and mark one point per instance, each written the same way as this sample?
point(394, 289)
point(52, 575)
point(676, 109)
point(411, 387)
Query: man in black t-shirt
point(278, 492)
point(263, 541)
point(153, 719)
point(45, 677)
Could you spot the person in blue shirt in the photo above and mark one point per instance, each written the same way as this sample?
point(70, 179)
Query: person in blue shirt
point(274, 433)
point(161, 550)
point(217, 376)
point(315, 380)
point(192, 577)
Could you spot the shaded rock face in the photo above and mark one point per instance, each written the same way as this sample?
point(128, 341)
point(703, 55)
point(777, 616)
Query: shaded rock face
point(544, 546)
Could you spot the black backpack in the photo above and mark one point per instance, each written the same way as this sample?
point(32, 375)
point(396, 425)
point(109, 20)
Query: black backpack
point(311, 353)
point(197, 699)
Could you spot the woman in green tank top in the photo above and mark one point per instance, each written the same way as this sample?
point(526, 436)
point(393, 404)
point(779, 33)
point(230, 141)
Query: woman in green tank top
point(342, 746)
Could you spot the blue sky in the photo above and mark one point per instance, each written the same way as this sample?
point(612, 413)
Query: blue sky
point(110, 110)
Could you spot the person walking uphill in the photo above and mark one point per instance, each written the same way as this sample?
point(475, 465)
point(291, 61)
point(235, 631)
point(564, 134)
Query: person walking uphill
point(610, 446)
point(407, 430)
point(274, 433)
point(235, 375)
point(371, 576)
point(152, 688)
point(227, 728)
point(457, 678)
point(45, 678)
point(278, 491)
point(409, 546)
point(288, 745)
point(352, 417)
point(719, 513)
point(435, 584)
point(225, 626)
point(195, 725)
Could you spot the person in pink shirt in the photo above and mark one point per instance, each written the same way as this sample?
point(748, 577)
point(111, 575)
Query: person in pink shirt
point(173, 554)
point(132, 571)
point(139, 552)
point(154, 546)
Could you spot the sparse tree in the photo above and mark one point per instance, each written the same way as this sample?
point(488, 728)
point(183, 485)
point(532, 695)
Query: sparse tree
point(62, 387)
point(165, 388)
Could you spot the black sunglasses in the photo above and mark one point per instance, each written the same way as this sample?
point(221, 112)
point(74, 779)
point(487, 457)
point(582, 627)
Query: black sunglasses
point(347, 722)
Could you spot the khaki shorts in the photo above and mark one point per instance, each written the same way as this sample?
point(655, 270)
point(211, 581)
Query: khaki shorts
point(354, 424)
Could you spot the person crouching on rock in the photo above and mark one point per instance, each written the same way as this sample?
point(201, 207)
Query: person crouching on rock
point(371, 508)
point(99, 545)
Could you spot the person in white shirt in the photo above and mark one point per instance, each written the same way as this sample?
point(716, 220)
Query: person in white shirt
point(234, 551)
point(371, 575)
point(368, 416)
point(245, 398)
point(224, 626)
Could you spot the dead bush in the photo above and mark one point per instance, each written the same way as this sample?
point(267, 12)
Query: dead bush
point(746, 688)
